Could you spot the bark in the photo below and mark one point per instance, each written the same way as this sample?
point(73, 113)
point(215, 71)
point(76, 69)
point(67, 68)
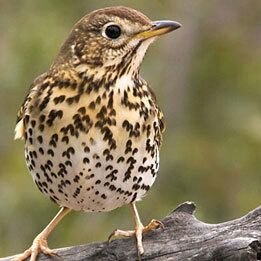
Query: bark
point(182, 238)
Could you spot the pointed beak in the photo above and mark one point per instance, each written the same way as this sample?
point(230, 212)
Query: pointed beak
point(159, 28)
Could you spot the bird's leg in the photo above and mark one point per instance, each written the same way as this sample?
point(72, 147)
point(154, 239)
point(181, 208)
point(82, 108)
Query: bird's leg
point(138, 230)
point(40, 242)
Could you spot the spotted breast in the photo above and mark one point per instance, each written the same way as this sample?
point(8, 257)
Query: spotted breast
point(92, 145)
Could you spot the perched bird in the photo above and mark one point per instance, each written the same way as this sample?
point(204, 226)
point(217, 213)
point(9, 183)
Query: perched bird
point(91, 124)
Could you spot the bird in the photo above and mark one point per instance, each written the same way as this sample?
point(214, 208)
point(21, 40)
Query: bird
point(91, 125)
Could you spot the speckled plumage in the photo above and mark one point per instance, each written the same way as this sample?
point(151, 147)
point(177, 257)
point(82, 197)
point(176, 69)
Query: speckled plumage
point(92, 139)
point(91, 124)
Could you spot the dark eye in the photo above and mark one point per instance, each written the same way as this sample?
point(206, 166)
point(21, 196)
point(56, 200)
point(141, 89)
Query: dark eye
point(113, 31)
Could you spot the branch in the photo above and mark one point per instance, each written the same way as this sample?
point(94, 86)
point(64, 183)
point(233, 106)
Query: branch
point(183, 238)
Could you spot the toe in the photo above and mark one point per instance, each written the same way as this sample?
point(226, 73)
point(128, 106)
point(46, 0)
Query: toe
point(48, 251)
point(23, 256)
point(121, 233)
point(139, 243)
point(39, 245)
point(157, 223)
point(34, 255)
point(154, 224)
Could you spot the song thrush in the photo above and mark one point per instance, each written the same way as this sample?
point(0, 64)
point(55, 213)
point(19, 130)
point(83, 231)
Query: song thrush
point(91, 124)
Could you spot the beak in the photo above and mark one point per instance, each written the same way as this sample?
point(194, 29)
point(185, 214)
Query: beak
point(159, 28)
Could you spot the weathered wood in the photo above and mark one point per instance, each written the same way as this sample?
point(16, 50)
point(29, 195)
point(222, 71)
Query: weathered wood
point(183, 238)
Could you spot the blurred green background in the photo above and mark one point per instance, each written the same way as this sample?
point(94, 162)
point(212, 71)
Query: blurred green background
point(207, 76)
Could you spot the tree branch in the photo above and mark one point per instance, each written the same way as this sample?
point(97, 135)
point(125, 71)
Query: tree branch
point(183, 238)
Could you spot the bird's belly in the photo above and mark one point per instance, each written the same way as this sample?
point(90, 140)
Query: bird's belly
point(90, 172)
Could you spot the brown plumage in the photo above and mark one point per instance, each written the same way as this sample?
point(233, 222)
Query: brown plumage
point(91, 124)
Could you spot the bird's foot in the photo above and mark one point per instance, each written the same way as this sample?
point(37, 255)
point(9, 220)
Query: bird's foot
point(39, 245)
point(138, 232)
point(154, 224)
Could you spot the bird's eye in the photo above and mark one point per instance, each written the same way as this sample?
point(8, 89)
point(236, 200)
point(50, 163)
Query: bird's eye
point(113, 31)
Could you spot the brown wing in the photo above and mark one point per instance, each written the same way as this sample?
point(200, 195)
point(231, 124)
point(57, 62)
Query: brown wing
point(19, 128)
point(160, 116)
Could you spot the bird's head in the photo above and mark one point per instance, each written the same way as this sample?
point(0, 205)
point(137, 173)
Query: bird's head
point(112, 37)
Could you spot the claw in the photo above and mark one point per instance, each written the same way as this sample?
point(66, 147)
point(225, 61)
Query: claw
point(40, 242)
point(138, 232)
point(154, 224)
point(39, 245)
point(121, 233)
